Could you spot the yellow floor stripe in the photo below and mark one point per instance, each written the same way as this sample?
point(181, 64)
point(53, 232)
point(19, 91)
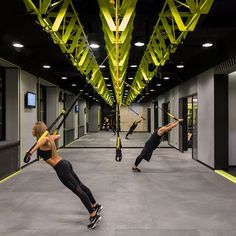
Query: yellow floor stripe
point(226, 175)
point(8, 177)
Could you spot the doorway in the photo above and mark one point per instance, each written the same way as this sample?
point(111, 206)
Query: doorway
point(188, 108)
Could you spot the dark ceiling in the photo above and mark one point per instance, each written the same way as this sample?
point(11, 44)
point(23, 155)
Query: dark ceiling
point(219, 27)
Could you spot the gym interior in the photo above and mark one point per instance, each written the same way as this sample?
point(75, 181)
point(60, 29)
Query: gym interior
point(74, 64)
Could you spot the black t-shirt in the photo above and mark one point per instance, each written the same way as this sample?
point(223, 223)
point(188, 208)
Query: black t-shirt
point(154, 141)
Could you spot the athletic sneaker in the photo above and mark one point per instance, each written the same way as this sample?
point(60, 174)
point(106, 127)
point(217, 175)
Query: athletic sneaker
point(135, 169)
point(98, 208)
point(94, 220)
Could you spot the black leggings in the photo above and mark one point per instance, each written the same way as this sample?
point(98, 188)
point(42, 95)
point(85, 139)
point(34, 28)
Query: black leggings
point(69, 178)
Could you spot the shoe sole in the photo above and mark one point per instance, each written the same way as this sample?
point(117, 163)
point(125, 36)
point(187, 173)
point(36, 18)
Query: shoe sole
point(96, 223)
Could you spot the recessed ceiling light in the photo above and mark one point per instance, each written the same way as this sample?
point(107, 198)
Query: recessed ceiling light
point(73, 85)
point(106, 78)
point(108, 85)
point(207, 45)
point(166, 78)
point(81, 90)
point(94, 45)
point(180, 66)
point(130, 78)
point(18, 45)
point(102, 66)
point(90, 96)
point(63, 77)
point(86, 93)
point(139, 44)
point(46, 66)
point(147, 93)
point(133, 66)
point(151, 90)
point(158, 85)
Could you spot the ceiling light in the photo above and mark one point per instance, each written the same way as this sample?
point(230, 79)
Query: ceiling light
point(102, 66)
point(108, 85)
point(73, 85)
point(81, 90)
point(180, 66)
point(63, 77)
point(158, 85)
point(194, 99)
point(151, 90)
point(166, 78)
point(94, 45)
point(207, 45)
point(139, 44)
point(130, 78)
point(106, 78)
point(133, 66)
point(86, 93)
point(90, 96)
point(46, 66)
point(18, 45)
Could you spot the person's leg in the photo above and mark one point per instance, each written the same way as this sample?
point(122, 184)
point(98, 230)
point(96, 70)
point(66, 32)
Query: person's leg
point(67, 178)
point(95, 205)
point(127, 135)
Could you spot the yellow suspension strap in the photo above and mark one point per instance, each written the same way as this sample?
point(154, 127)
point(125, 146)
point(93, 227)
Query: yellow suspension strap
point(63, 113)
point(134, 111)
point(168, 113)
point(118, 140)
point(117, 81)
point(28, 154)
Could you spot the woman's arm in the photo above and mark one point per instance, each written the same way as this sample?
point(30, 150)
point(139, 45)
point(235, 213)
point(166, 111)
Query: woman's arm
point(55, 137)
point(169, 127)
point(39, 144)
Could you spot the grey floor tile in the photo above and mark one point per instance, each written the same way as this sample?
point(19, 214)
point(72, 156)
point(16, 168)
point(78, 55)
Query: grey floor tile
point(173, 195)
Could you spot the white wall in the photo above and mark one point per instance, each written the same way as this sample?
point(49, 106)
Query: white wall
point(82, 115)
point(174, 109)
point(232, 119)
point(203, 85)
point(28, 117)
point(12, 104)
point(205, 91)
point(127, 117)
point(76, 123)
point(93, 118)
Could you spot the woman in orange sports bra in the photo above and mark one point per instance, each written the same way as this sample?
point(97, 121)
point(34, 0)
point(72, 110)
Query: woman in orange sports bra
point(65, 172)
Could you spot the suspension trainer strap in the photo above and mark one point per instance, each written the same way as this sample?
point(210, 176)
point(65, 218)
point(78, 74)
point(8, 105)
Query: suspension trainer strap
point(169, 114)
point(27, 156)
point(118, 140)
point(134, 112)
point(68, 111)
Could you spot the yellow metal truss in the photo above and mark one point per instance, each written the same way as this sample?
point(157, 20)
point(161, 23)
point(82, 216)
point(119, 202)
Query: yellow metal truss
point(176, 19)
point(60, 19)
point(125, 28)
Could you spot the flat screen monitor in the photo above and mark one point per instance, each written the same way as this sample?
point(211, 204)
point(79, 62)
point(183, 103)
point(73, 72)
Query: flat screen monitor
point(30, 100)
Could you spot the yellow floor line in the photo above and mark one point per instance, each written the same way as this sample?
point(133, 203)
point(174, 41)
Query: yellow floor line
point(226, 175)
point(8, 177)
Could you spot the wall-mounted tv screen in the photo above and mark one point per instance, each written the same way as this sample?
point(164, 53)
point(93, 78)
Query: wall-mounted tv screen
point(76, 108)
point(30, 100)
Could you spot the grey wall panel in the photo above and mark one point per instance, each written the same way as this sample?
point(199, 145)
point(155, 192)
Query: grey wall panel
point(12, 104)
point(52, 104)
point(82, 115)
point(93, 118)
point(188, 88)
point(232, 119)
point(174, 109)
point(28, 117)
point(205, 90)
